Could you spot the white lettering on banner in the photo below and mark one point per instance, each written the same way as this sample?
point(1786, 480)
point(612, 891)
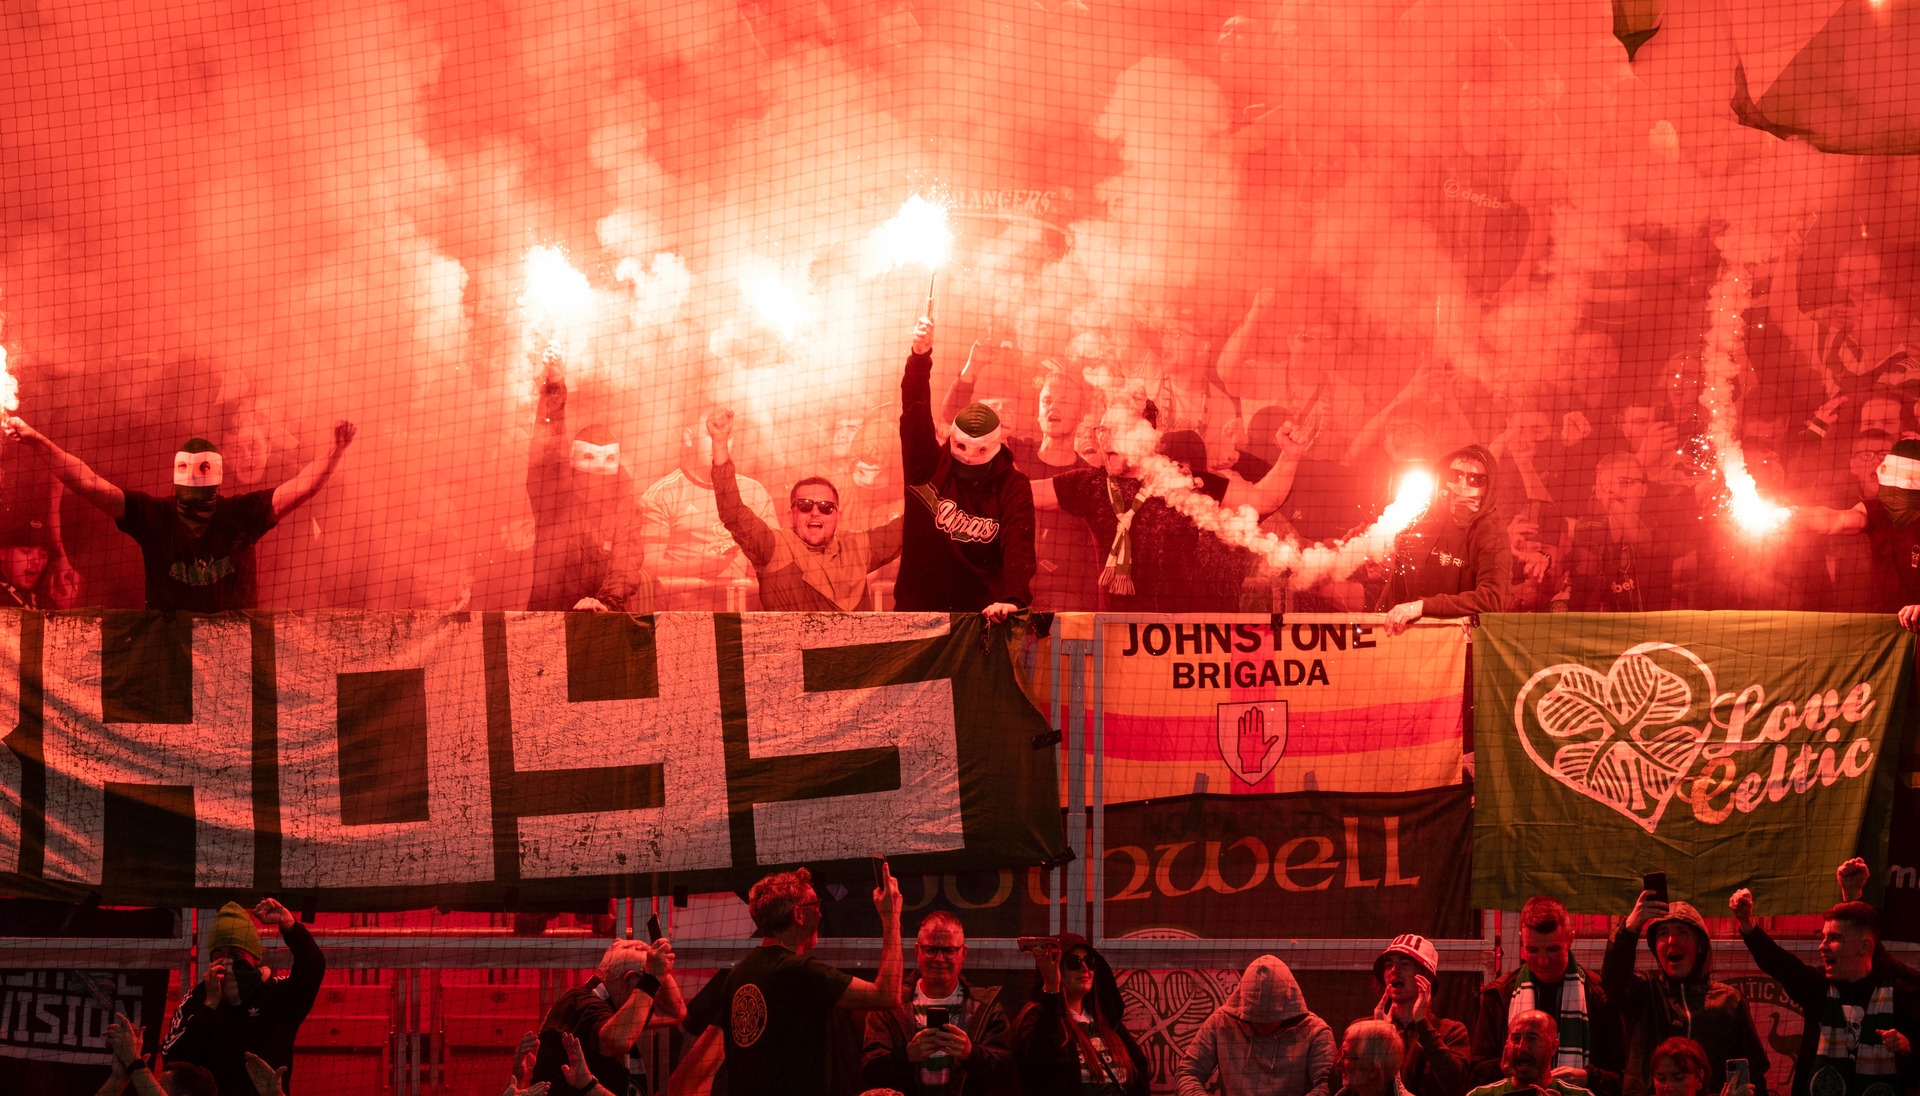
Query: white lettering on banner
point(213, 755)
point(10, 775)
point(1632, 737)
point(454, 842)
point(679, 729)
point(784, 720)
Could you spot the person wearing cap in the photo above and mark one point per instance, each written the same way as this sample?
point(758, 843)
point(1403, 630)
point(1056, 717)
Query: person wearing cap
point(1891, 522)
point(1261, 1042)
point(586, 521)
point(809, 566)
point(197, 546)
point(243, 1007)
point(968, 542)
point(780, 1001)
point(1435, 1051)
point(26, 550)
point(632, 990)
point(1677, 998)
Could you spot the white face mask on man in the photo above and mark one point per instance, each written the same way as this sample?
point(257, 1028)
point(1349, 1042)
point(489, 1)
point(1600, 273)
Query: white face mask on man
point(596, 460)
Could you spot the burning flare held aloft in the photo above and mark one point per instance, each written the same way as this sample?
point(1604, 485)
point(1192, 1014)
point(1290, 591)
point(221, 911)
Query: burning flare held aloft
point(919, 235)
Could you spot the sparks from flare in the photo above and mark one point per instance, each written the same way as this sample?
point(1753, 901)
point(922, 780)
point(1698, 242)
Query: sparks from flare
point(9, 386)
point(557, 296)
point(919, 235)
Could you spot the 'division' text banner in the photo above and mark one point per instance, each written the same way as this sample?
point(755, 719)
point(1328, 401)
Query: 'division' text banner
point(1727, 749)
point(374, 760)
point(1260, 704)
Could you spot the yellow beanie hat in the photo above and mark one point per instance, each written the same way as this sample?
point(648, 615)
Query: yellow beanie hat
point(233, 928)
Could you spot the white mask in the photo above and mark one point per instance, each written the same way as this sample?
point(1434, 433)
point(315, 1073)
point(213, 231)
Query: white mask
point(596, 460)
point(970, 450)
point(197, 469)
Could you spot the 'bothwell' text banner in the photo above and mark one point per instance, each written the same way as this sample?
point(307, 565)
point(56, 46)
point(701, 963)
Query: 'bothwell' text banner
point(376, 760)
point(1727, 749)
point(1258, 704)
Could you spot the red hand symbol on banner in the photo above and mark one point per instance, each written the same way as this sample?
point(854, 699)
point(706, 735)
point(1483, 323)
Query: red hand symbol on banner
point(1254, 742)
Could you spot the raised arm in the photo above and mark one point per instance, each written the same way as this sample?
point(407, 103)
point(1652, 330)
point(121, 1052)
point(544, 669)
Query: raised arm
point(1234, 354)
point(71, 470)
point(620, 1030)
point(1266, 496)
point(884, 990)
point(749, 531)
point(1833, 523)
point(291, 494)
point(919, 445)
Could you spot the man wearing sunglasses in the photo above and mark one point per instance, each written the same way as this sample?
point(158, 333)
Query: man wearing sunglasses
point(971, 1053)
point(1457, 560)
point(810, 566)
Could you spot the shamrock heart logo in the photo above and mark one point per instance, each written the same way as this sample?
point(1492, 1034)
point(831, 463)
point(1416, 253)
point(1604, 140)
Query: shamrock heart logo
point(1621, 738)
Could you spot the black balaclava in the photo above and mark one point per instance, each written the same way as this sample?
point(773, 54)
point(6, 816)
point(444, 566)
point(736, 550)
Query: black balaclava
point(197, 471)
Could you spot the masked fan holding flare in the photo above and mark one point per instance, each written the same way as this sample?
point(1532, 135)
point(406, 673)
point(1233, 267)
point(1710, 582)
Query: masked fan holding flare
point(1891, 522)
point(198, 545)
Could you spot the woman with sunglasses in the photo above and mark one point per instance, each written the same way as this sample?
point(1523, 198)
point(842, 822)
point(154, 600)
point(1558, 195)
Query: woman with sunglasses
point(1072, 1036)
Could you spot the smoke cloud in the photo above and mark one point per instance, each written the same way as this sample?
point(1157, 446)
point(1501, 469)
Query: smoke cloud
point(245, 221)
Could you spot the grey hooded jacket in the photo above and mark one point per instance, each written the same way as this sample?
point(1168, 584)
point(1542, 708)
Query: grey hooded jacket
point(1296, 1060)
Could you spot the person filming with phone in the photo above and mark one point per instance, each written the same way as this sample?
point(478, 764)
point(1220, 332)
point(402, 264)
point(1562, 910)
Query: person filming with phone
point(1680, 1069)
point(1679, 997)
point(946, 1038)
point(1072, 1036)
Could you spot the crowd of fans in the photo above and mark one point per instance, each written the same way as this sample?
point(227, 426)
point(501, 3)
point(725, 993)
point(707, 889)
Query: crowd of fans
point(1024, 488)
point(782, 1023)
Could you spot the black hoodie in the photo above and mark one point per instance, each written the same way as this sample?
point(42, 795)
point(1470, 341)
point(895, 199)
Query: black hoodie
point(1654, 1008)
point(1456, 570)
point(968, 542)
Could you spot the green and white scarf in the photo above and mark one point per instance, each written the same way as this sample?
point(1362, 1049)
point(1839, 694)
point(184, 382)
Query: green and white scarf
point(1841, 1041)
point(1576, 1036)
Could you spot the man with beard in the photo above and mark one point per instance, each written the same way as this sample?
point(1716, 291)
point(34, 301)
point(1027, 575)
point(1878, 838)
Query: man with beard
point(1861, 1021)
point(810, 566)
point(780, 999)
point(197, 546)
point(970, 1054)
point(1457, 561)
point(586, 540)
point(243, 1007)
point(968, 543)
point(1679, 998)
point(1527, 1057)
point(1889, 522)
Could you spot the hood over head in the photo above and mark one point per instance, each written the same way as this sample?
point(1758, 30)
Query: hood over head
point(1684, 914)
point(1267, 993)
point(1106, 988)
point(1486, 458)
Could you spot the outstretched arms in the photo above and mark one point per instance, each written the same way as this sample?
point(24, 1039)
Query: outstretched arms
point(73, 471)
point(291, 494)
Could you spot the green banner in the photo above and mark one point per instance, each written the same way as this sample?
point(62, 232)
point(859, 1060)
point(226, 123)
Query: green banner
point(1727, 749)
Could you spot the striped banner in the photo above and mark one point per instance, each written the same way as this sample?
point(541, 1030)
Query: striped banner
point(1252, 704)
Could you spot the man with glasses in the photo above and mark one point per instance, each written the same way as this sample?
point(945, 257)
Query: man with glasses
point(1456, 561)
point(780, 1000)
point(808, 567)
point(971, 1053)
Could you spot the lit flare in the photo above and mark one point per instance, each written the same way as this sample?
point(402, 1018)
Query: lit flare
point(9, 386)
point(556, 295)
point(918, 235)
